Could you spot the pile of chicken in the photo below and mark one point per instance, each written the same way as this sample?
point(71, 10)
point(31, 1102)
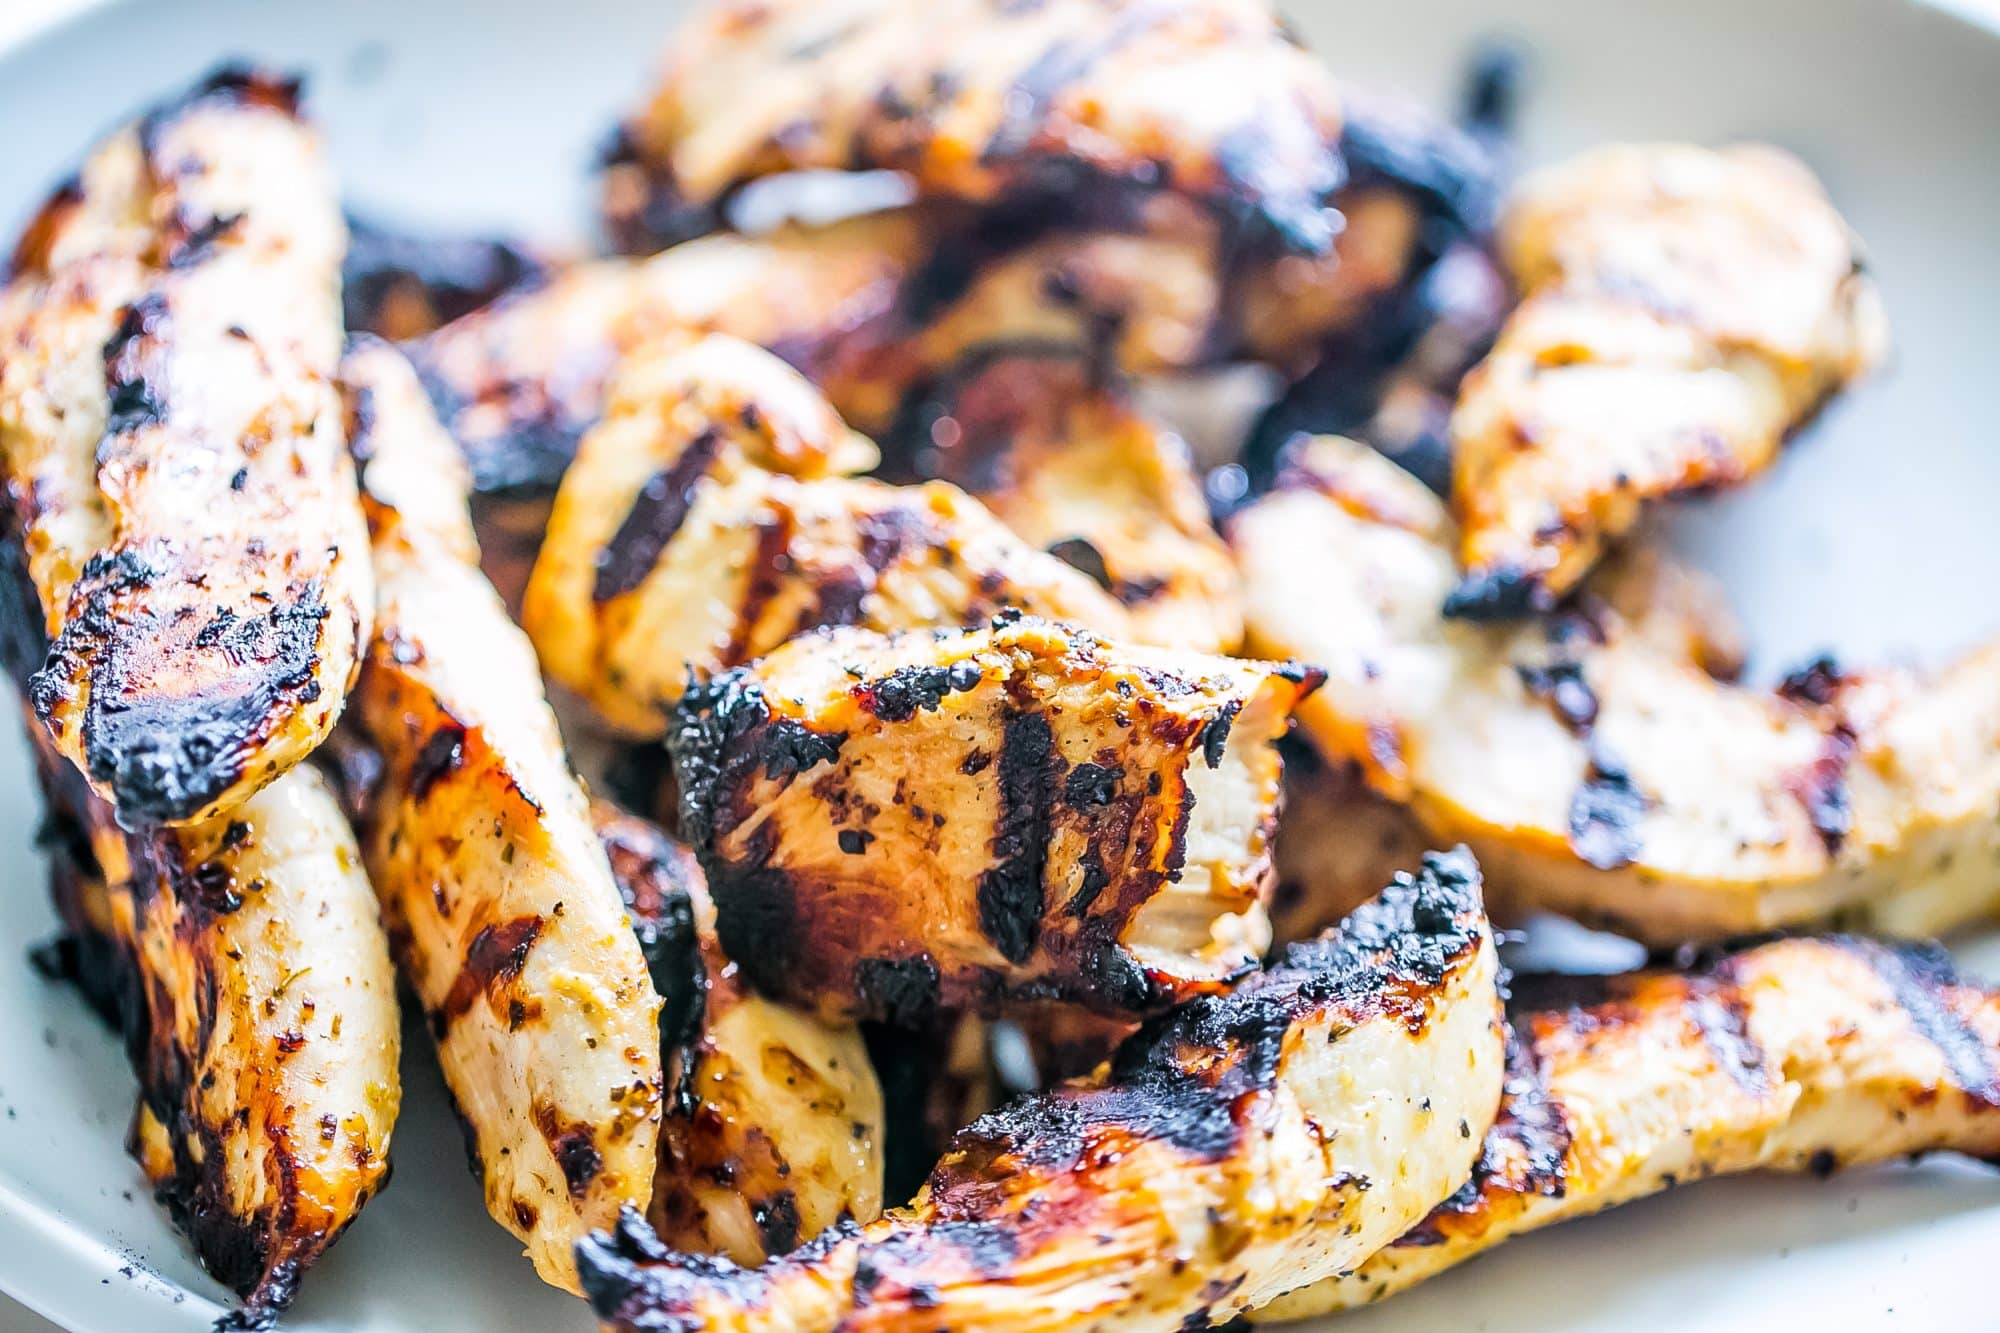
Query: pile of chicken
point(942, 694)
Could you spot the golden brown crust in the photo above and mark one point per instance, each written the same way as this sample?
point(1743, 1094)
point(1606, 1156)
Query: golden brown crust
point(1243, 1145)
point(500, 900)
point(1804, 1055)
point(1601, 774)
point(1083, 103)
point(708, 519)
point(171, 440)
point(977, 817)
point(774, 1128)
point(1684, 310)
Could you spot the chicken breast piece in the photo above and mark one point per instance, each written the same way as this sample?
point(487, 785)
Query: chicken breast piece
point(1338, 836)
point(1242, 1146)
point(1212, 100)
point(1076, 469)
point(1684, 310)
point(774, 1120)
point(1803, 1055)
point(1601, 775)
point(244, 961)
point(706, 521)
point(171, 444)
point(506, 920)
point(890, 822)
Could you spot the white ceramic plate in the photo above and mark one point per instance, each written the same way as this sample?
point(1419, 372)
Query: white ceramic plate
point(1878, 535)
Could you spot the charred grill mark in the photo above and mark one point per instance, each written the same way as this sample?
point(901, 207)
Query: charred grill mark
point(902, 991)
point(1091, 785)
point(897, 696)
point(1817, 684)
point(1081, 554)
point(190, 243)
point(1214, 736)
point(24, 645)
point(493, 959)
point(1010, 891)
point(776, 1218)
point(1568, 694)
point(442, 753)
point(1605, 814)
point(574, 1148)
point(655, 518)
point(768, 567)
point(164, 757)
point(1915, 974)
point(1719, 1013)
point(135, 366)
point(1501, 593)
point(1821, 787)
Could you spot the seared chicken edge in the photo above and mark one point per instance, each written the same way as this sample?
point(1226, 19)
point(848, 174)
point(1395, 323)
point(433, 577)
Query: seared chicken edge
point(1244, 1145)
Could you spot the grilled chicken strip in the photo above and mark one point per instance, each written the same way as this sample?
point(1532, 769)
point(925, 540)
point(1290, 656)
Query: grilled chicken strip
point(171, 442)
point(1803, 1055)
point(1600, 774)
point(1338, 837)
point(1244, 1145)
point(1685, 310)
point(1212, 100)
point(1078, 471)
point(245, 962)
point(706, 522)
point(774, 1120)
point(500, 899)
point(890, 822)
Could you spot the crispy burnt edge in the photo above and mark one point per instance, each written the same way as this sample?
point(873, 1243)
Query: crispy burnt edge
point(257, 1257)
point(164, 756)
point(1183, 1079)
point(724, 731)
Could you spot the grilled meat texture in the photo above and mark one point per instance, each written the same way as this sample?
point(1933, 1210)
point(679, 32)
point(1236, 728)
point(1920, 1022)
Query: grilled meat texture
point(1684, 310)
point(774, 1120)
point(1802, 1055)
point(1338, 836)
point(1602, 773)
point(500, 901)
point(708, 520)
point(879, 310)
point(521, 380)
point(1243, 1145)
point(1076, 470)
point(978, 817)
point(244, 961)
point(1090, 105)
point(171, 443)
